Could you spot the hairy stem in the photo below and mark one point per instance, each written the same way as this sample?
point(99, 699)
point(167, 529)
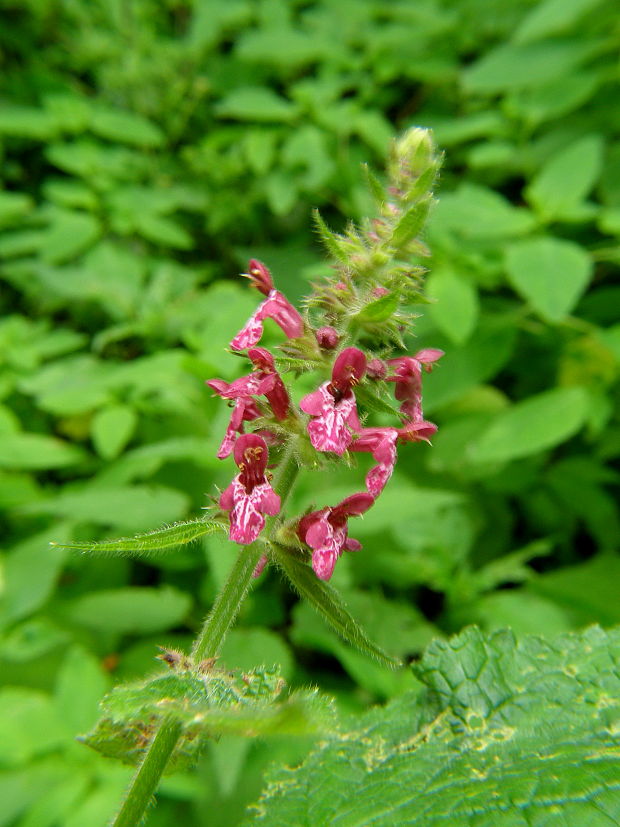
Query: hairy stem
point(207, 645)
point(147, 778)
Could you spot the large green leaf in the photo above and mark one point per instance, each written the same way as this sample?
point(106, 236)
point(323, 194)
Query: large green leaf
point(567, 178)
point(550, 273)
point(138, 609)
point(326, 600)
point(537, 423)
point(504, 733)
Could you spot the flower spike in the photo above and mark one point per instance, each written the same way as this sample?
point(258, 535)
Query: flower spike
point(249, 496)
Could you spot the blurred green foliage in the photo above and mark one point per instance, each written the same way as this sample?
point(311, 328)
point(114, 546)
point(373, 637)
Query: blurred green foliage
point(148, 148)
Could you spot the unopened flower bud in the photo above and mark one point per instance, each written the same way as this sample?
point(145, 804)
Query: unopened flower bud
point(376, 369)
point(378, 292)
point(327, 337)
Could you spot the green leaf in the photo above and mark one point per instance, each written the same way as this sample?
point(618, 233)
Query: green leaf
point(208, 702)
point(80, 685)
point(112, 429)
point(380, 309)
point(37, 452)
point(550, 273)
point(547, 710)
point(256, 103)
point(29, 725)
point(551, 17)
point(335, 245)
point(69, 234)
point(517, 66)
point(13, 206)
point(163, 231)
point(534, 425)
point(587, 592)
point(567, 178)
point(126, 127)
point(151, 542)
point(30, 575)
point(411, 222)
point(327, 602)
point(26, 122)
point(455, 308)
point(135, 610)
point(130, 507)
point(476, 212)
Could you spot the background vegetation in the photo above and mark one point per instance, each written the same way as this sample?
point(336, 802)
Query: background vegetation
point(148, 149)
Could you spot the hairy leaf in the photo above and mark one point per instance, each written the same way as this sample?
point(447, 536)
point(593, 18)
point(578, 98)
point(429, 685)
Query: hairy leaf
point(150, 542)
point(208, 702)
point(504, 733)
point(329, 604)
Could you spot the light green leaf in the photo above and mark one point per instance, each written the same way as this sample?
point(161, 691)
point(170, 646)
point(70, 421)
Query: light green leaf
point(455, 308)
point(534, 425)
point(380, 309)
point(30, 574)
point(151, 542)
point(69, 234)
point(567, 178)
point(256, 103)
point(163, 231)
point(587, 592)
point(548, 710)
point(80, 685)
point(13, 206)
point(126, 127)
point(37, 452)
point(26, 122)
point(550, 273)
point(112, 429)
point(476, 212)
point(518, 66)
point(128, 507)
point(326, 600)
point(336, 245)
point(411, 222)
point(135, 610)
point(29, 725)
point(551, 17)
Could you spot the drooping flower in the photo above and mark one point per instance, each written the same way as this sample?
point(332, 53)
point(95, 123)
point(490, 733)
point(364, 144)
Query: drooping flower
point(333, 405)
point(408, 378)
point(249, 496)
point(265, 381)
point(275, 307)
point(381, 443)
point(326, 532)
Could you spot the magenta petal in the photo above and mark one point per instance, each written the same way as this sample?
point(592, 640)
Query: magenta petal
point(313, 403)
point(270, 501)
point(352, 545)
point(251, 333)
point(323, 563)
point(226, 498)
point(278, 308)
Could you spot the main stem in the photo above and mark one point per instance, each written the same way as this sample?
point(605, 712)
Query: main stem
point(207, 644)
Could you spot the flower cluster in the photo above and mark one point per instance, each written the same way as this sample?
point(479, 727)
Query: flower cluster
point(333, 426)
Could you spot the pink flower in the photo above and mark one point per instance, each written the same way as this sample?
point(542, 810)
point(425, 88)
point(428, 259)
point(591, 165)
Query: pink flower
point(275, 307)
point(381, 443)
point(408, 378)
point(249, 496)
point(333, 405)
point(326, 532)
point(264, 382)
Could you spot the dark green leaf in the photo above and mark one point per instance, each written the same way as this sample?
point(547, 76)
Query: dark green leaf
point(326, 600)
